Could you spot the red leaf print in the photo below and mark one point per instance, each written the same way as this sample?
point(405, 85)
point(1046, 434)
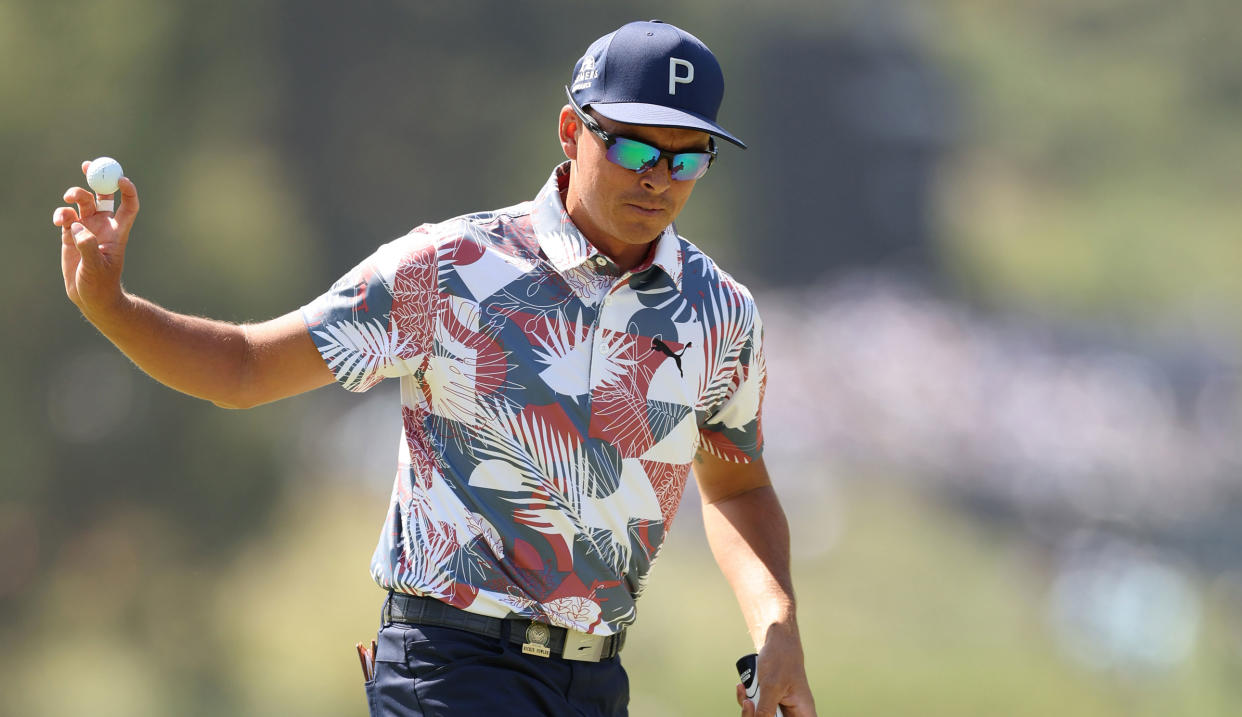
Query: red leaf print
point(668, 480)
point(578, 613)
point(619, 403)
point(422, 456)
point(416, 300)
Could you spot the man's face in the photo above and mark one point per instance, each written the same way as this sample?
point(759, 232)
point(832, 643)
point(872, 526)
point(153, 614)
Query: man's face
point(619, 210)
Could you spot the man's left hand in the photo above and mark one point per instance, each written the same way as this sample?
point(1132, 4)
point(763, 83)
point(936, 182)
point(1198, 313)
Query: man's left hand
point(782, 678)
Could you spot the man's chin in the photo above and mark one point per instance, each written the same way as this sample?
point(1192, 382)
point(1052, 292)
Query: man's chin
point(644, 232)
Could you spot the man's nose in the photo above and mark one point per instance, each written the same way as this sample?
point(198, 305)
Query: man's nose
point(658, 178)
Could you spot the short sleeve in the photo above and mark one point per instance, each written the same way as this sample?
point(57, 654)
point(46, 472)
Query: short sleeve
point(734, 431)
point(374, 322)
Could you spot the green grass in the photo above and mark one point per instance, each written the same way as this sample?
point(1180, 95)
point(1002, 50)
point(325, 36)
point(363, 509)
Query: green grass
point(916, 611)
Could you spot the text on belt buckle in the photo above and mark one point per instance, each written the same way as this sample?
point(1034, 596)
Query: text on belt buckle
point(583, 647)
point(537, 638)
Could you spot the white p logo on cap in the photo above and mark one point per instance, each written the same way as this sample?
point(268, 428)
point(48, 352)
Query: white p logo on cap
point(675, 79)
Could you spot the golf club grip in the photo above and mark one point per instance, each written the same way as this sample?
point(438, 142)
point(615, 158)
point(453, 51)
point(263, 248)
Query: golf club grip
point(748, 671)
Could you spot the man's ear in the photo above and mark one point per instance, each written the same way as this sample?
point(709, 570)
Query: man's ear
point(568, 128)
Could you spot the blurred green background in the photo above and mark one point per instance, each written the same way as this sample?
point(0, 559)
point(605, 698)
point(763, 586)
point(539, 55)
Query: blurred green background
point(996, 244)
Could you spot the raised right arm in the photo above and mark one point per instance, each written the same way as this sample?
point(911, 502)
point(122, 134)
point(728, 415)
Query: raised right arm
point(234, 366)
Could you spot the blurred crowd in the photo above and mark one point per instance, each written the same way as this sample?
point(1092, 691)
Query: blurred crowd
point(1117, 457)
point(878, 374)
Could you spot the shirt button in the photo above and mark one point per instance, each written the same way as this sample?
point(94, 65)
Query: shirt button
point(601, 261)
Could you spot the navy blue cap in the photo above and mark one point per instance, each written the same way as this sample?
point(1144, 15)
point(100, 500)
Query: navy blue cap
point(652, 73)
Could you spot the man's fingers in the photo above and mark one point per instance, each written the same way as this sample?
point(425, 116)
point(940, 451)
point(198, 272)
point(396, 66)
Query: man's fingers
point(748, 706)
point(86, 166)
point(64, 216)
point(129, 203)
point(770, 695)
point(84, 199)
point(88, 245)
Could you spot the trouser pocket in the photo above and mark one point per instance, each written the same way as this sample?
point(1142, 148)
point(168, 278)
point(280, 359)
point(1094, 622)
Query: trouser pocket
point(372, 699)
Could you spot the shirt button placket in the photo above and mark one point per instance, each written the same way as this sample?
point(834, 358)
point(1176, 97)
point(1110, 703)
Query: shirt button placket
point(599, 261)
point(595, 353)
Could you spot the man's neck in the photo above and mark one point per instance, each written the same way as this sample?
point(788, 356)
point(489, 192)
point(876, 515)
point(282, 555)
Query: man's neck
point(625, 256)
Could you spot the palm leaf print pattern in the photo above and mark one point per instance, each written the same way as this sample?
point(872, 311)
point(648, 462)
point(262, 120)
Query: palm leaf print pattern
point(565, 353)
point(416, 301)
point(620, 397)
point(547, 436)
point(557, 484)
point(359, 353)
point(555, 470)
point(430, 545)
point(727, 325)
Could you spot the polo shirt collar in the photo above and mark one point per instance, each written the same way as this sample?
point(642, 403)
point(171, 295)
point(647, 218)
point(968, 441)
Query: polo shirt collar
point(566, 247)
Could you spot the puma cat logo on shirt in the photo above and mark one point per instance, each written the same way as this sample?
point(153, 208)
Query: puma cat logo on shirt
point(658, 345)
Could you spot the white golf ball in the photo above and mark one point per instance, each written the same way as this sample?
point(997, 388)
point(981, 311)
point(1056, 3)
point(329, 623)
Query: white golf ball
point(103, 175)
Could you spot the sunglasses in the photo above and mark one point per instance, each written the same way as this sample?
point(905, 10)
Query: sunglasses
point(639, 156)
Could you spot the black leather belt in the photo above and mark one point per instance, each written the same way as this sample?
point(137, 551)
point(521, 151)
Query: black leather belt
point(535, 637)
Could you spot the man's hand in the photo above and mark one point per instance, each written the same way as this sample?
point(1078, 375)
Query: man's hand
point(92, 251)
point(230, 365)
point(782, 678)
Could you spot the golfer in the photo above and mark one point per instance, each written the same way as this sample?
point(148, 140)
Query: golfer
point(564, 363)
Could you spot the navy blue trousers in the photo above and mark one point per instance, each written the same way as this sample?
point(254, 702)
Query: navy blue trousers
point(436, 671)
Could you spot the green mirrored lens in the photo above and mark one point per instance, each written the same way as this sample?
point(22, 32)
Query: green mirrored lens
point(633, 155)
point(690, 165)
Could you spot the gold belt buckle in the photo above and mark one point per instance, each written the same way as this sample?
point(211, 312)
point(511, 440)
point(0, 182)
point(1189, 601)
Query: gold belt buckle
point(537, 638)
